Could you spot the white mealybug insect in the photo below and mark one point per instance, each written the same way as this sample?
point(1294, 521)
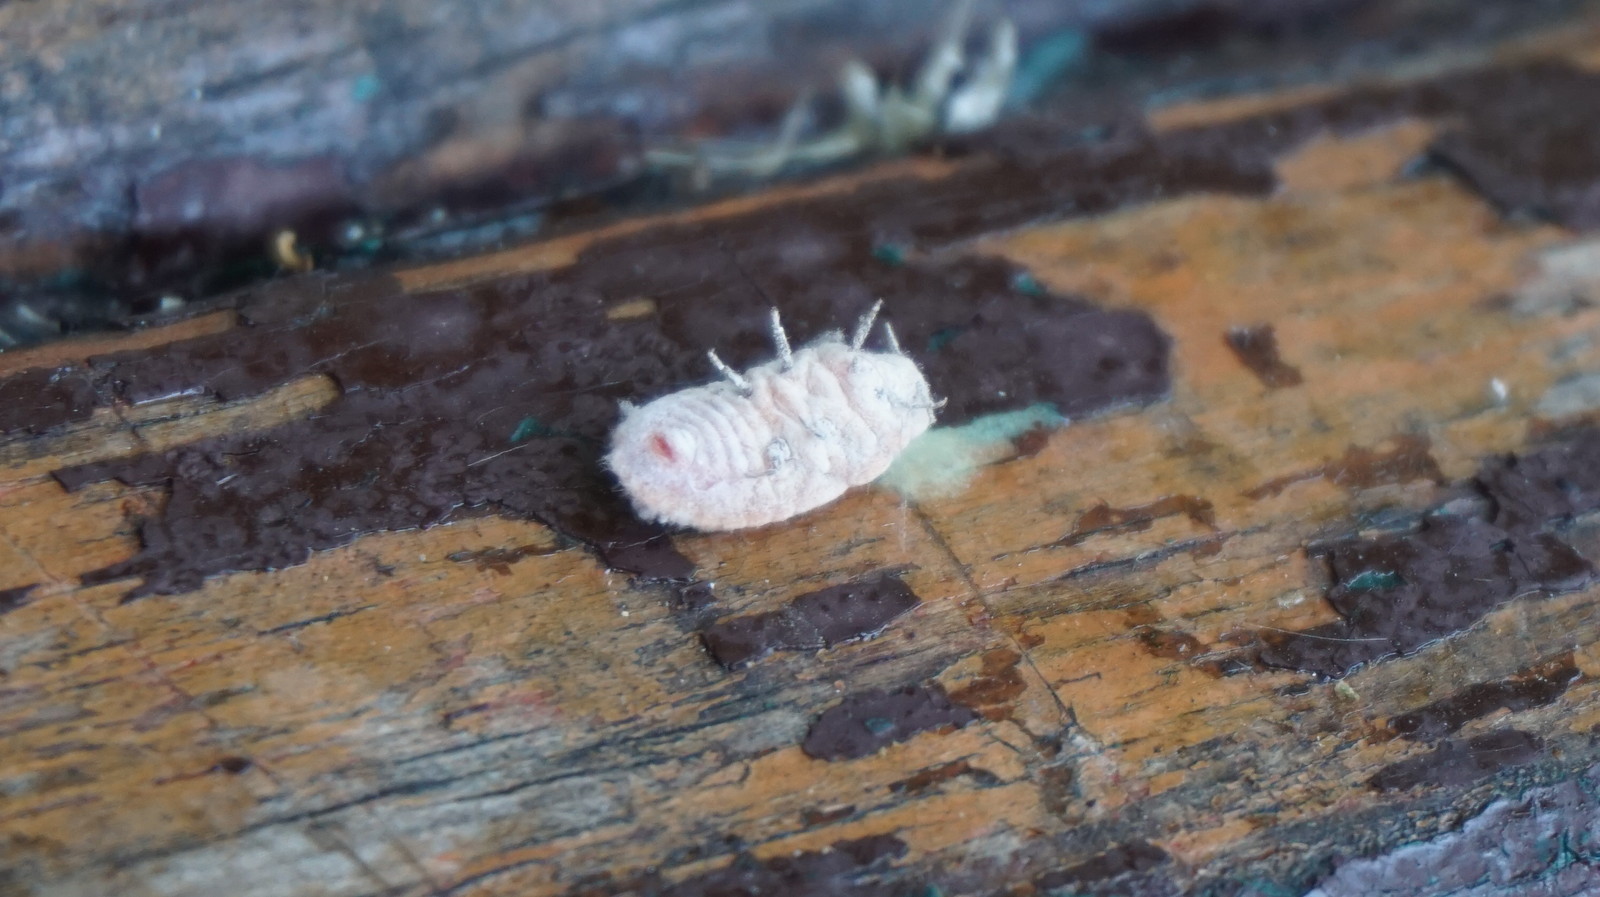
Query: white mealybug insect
point(776, 441)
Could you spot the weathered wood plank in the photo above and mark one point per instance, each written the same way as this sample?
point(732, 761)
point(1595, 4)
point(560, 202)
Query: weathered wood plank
point(1078, 700)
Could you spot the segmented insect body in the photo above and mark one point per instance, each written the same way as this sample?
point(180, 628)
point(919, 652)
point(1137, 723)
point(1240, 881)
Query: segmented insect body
point(776, 441)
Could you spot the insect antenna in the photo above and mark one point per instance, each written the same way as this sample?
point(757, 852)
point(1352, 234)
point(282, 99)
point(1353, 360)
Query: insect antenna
point(781, 339)
point(864, 326)
point(733, 375)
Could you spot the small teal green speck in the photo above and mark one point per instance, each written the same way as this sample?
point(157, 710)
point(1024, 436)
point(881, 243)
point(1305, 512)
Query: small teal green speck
point(366, 88)
point(942, 338)
point(1374, 580)
point(1049, 62)
point(889, 254)
point(1025, 283)
point(527, 427)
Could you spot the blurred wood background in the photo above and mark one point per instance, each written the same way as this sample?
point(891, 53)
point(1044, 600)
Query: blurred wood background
point(151, 151)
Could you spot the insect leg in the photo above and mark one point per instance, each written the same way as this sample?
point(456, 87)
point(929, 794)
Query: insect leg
point(781, 339)
point(894, 344)
point(733, 375)
point(864, 326)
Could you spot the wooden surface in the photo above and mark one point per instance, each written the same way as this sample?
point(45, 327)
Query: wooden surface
point(402, 716)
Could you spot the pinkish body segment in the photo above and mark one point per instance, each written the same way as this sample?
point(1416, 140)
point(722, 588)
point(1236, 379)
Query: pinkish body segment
point(776, 441)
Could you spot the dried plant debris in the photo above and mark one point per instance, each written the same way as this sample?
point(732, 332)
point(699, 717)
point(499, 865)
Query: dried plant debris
point(945, 97)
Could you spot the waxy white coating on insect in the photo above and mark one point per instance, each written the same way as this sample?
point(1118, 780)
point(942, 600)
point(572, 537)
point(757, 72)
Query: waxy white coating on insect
point(776, 441)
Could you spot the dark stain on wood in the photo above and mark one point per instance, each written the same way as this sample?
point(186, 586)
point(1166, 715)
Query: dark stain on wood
point(13, 598)
point(995, 687)
point(843, 867)
point(500, 559)
point(1533, 687)
point(435, 386)
point(1134, 858)
point(1223, 667)
point(234, 765)
point(1032, 441)
point(815, 620)
point(1103, 518)
point(936, 775)
point(815, 816)
point(862, 724)
point(840, 869)
point(1533, 152)
point(1520, 139)
point(1256, 347)
point(1364, 468)
point(1461, 761)
point(42, 399)
point(1058, 790)
point(1551, 484)
point(1396, 593)
point(693, 598)
point(1171, 644)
